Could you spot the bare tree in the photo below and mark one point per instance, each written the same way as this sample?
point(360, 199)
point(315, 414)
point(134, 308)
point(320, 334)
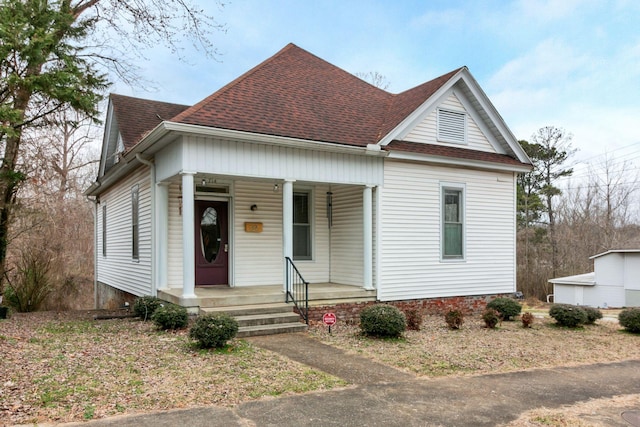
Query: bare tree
point(375, 78)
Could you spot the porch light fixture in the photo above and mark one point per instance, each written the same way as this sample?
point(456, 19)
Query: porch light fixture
point(275, 188)
point(204, 182)
point(254, 207)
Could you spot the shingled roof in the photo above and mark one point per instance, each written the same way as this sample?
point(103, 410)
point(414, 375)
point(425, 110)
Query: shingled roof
point(137, 116)
point(296, 94)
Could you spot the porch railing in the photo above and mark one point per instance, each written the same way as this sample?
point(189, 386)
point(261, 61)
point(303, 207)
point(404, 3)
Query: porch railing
point(297, 290)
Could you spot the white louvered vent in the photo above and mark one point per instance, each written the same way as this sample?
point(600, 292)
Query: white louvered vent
point(452, 126)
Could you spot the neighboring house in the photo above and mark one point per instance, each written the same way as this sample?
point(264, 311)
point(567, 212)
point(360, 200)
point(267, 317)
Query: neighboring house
point(409, 195)
point(615, 282)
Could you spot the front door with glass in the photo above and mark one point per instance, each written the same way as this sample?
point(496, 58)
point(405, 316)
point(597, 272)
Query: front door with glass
point(212, 243)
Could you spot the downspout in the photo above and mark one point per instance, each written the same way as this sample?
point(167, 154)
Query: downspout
point(152, 189)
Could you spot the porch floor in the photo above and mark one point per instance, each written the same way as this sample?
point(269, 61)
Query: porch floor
point(319, 294)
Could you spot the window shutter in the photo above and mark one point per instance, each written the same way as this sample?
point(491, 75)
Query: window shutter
point(452, 126)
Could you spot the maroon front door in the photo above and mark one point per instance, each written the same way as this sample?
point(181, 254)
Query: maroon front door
point(212, 244)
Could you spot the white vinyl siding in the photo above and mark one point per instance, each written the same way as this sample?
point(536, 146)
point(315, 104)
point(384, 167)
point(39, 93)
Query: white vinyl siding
point(410, 240)
point(427, 130)
point(117, 269)
point(347, 236)
point(258, 256)
point(174, 250)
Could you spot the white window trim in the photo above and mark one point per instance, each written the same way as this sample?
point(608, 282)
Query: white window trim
point(135, 242)
point(463, 189)
point(312, 220)
point(104, 230)
point(441, 138)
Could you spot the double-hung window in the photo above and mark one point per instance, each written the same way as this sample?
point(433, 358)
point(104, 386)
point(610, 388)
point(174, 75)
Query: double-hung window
point(104, 230)
point(452, 222)
point(135, 223)
point(301, 226)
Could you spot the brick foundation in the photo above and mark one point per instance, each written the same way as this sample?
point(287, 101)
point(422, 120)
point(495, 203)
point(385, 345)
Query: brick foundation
point(349, 312)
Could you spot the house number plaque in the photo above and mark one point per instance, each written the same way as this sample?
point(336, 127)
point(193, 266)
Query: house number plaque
point(253, 227)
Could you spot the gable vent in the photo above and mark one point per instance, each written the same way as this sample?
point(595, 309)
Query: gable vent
point(452, 126)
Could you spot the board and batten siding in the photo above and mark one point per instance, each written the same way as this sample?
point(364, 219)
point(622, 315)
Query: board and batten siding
point(252, 160)
point(347, 236)
point(118, 269)
point(411, 265)
point(426, 131)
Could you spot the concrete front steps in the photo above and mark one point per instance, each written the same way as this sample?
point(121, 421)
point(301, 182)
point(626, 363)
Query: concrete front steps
point(262, 319)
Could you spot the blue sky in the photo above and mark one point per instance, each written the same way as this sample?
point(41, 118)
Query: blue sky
point(567, 63)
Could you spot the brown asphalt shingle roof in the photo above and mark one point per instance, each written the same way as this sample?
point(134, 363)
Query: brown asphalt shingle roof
point(296, 94)
point(455, 152)
point(137, 116)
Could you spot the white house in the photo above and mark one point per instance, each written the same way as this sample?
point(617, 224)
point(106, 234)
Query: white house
point(405, 196)
point(615, 282)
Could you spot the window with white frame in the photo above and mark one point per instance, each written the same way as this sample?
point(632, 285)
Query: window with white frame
point(104, 230)
point(452, 126)
point(135, 222)
point(452, 222)
point(302, 225)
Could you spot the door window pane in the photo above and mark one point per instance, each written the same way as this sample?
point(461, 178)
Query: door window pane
point(210, 234)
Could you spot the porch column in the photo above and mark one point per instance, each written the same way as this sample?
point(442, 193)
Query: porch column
point(367, 219)
point(162, 234)
point(188, 238)
point(287, 227)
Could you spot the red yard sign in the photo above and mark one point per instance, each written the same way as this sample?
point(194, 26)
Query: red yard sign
point(329, 319)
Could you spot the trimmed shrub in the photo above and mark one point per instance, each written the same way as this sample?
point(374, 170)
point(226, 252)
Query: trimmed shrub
point(213, 330)
point(382, 320)
point(491, 318)
point(629, 319)
point(454, 319)
point(145, 306)
point(170, 316)
point(593, 314)
point(507, 307)
point(568, 315)
point(527, 319)
point(414, 319)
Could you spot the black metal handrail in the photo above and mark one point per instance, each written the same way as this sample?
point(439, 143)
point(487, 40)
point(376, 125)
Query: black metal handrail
point(297, 289)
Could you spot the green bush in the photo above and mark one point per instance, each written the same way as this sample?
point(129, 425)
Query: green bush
point(593, 314)
point(527, 319)
point(170, 316)
point(414, 319)
point(145, 306)
point(213, 330)
point(382, 320)
point(507, 307)
point(31, 283)
point(454, 319)
point(568, 315)
point(629, 319)
point(491, 318)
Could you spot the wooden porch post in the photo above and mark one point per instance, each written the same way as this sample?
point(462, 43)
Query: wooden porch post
point(188, 236)
point(287, 227)
point(367, 219)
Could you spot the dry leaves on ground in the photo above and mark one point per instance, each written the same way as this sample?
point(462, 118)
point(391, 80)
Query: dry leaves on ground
point(60, 367)
point(436, 350)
